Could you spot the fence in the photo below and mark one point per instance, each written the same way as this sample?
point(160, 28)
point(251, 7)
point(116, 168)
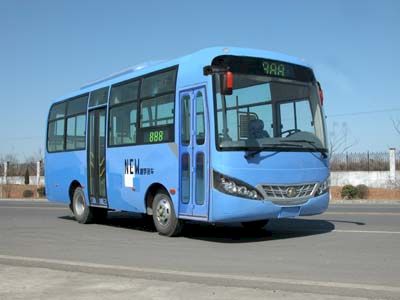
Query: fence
point(367, 161)
point(14, 173)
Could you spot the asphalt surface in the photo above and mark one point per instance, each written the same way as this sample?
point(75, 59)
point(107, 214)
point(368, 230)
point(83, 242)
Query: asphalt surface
point(353, 250)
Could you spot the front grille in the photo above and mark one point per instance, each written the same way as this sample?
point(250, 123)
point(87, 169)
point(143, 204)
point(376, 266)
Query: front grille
point(288, 194)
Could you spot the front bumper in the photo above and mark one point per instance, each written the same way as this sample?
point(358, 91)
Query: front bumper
point(227, 208)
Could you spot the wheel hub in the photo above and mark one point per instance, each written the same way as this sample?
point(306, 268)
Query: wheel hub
point(163, 212)
point(80, 205)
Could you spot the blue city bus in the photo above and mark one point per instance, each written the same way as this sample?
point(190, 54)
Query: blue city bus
point(221, 135)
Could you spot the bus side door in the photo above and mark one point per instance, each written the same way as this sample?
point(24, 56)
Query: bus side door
point(194, 153)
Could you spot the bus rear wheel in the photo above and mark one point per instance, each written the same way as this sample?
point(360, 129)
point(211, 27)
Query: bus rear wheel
point(164, 216)
point(82, 212)
point(255, 225)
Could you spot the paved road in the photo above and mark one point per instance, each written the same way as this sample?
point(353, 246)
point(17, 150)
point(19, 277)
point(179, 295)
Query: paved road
point(350, 251)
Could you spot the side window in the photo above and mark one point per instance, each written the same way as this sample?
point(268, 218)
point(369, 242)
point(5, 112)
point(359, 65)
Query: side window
point(157, 108)
point(55, 136)
point(157, 111)
point(67, 125)
point(158, 84)
point(55, 128)
point(57, 111)
point(123, 114)
point(98, 97)
point(123, 124)
point(76, 132)
point(125, 92)
point(76, 123)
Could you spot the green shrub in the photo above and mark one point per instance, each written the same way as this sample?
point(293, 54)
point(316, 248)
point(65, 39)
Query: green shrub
point(349, 192)
point(27, 194)
point(41, 191)
point(362, 191)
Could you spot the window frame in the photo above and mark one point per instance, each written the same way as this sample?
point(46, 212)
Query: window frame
point(139, 130)
point(65, 118)
point(66, 130)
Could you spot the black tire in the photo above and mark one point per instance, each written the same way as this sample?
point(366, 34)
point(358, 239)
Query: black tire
point(164, 217)
point(82, 212)
point(255, 225)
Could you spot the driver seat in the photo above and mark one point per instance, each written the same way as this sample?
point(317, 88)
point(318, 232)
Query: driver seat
point(256, 129)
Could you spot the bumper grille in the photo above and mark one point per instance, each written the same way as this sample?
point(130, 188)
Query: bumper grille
point(288, 194)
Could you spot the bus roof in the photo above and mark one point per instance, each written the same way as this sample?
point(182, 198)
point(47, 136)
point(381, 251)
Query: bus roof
point(203, 57)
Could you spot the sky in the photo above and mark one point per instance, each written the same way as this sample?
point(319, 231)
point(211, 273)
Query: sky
point(50, 48)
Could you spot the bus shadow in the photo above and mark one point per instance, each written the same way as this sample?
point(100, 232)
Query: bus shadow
point(125, 220)
point(277, 229)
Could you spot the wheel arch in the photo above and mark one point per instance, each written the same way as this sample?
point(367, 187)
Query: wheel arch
point(150, 194)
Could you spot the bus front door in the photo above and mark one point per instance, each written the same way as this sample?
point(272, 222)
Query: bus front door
point(97, 158)
point(194, 155)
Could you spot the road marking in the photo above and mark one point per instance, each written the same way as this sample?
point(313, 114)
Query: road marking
point(363, 213)
point(34, 207)
point(31, 261)
point(366, 231)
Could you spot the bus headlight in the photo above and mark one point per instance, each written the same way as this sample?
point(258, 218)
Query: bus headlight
point(323, 187)
point(235, 187)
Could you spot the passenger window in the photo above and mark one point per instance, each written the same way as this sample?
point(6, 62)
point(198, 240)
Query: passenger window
point(57, 111)
point(77, 106)
point(123, 124)
point(70, 113)
point(76, 132)
point(157, 111)
point(124, 93)
point(158, 84)
point(98, 97)
point(55, 136)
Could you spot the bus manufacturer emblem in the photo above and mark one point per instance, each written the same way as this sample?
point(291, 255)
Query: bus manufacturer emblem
point(291, 192)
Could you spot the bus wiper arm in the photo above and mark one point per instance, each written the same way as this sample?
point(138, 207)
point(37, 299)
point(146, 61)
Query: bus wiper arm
point(250, 154)
point(312, 144)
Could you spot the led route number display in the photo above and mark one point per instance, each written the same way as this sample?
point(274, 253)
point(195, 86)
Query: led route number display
point(274, 69)
point(156, 136)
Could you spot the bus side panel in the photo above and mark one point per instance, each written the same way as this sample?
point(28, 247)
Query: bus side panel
point(132, 170)
point(61, 170)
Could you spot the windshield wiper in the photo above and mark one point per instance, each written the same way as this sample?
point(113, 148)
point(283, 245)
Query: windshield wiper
point(250, 154)
point(312, 144)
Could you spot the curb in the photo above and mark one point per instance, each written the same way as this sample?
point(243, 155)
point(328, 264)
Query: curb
point(24, 200)
point(372, 201)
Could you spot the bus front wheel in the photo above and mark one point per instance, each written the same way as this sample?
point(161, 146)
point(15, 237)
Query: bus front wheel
point(255, 225)
point(164, 216)
point(82, 212)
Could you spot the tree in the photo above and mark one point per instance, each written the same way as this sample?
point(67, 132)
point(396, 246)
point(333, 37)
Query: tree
point(340, 139)
point(396, 125)
point(27, 176)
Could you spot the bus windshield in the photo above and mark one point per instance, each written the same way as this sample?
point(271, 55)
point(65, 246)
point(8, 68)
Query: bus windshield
point(269, 113)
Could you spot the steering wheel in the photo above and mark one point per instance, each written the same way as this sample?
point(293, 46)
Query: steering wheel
point(290, 132)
